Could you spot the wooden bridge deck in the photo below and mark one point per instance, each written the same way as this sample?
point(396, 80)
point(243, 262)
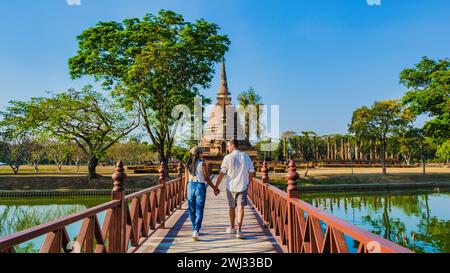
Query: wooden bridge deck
point(177, 236)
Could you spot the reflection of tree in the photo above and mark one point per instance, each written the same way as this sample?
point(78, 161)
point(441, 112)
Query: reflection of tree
point(430, 234)
point(436, 233)
point(410, 204)
point(17, 218)
point(28, 248)
point(385, 226)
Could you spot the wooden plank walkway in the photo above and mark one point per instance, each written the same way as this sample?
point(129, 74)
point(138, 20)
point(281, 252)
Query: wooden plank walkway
point(177, 236)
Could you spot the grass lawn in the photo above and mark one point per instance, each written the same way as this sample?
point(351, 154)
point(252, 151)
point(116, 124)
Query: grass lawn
point(66, 170)
point(49, 178)
point(51, 169)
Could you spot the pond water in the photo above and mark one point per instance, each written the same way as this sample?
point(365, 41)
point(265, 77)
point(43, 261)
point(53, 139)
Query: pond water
point(394, 215)
point(18, 214)
point(398, 216)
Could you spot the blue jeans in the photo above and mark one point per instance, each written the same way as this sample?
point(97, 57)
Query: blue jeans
point(196, 196)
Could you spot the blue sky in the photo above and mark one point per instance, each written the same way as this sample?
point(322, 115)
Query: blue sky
point(317, 59)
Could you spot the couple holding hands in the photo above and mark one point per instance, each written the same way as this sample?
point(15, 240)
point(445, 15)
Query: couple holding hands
point(238, 170)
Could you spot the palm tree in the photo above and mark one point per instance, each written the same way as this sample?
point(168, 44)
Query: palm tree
point(285, 141)
point(246, 99)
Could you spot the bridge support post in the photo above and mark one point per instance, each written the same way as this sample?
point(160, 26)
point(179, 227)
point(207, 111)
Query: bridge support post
point(265, 206)
point(292, 193)
point(180, 184)
point(162, 197)
point(118, 224)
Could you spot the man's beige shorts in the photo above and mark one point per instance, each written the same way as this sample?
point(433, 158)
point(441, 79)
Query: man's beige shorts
point(237, 198)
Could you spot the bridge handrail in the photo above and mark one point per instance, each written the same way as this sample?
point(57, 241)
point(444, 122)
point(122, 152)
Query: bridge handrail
point(33, 232)
point(297, 225)
point(124, 228)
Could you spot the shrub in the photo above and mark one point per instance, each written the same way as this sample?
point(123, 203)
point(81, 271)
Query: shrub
point(279, 169)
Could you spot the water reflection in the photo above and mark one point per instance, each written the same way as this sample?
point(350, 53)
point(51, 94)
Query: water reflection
point(22, 213)
point(419, 220)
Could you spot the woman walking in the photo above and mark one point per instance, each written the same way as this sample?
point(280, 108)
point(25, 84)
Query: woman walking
point(197, 179)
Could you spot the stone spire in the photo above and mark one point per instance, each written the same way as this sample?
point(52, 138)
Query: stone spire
point(223, 90)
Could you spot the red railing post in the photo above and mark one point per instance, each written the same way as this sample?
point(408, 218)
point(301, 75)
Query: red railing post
point(292, 193)
point(163, 197)
point(265, 208)
point(180, 184)
point(117, 231)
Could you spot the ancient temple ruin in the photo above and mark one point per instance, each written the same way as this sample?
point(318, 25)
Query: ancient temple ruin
point(224, 125)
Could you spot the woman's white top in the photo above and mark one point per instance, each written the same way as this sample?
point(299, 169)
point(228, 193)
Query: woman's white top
point(199, 177)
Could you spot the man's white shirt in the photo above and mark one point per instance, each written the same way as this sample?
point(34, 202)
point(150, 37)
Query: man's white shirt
point(237, 166)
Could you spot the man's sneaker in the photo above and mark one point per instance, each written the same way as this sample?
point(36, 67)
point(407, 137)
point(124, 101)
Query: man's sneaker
point(231, 230)
point(239, 235)
point(195, 235)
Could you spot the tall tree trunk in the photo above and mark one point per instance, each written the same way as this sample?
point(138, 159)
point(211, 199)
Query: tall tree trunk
point(335, 155)
point(376, 152)
point(165, 158)
point(92, 167)
point(15, 169)
point(328, 149)
point(349, 150)
point(383, 157)
point(424, 165)
point(361, 150)
point(407, 160)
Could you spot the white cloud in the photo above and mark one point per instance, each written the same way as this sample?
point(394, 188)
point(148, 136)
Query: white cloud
point(73, 2)
point(374, 2)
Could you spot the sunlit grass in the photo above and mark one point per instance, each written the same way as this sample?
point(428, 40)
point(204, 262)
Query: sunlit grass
point(51, 169)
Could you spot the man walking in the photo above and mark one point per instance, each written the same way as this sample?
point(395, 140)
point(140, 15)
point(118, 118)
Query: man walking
point(239, 170)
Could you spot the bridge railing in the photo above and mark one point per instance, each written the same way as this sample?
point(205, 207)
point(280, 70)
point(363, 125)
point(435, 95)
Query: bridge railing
point(128, 220)
point(300, 227)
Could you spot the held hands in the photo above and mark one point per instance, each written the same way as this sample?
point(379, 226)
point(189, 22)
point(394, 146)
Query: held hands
point(216, 190)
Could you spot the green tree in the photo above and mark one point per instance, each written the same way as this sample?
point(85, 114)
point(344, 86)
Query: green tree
point(443, 152)
point(85, 117)
point(58, 152)
point(284, 144)
point(38, 152)
point(16, 145)
point(304, 147)
point(76, 154)
point(409, 141)
point(379, 122)
point(152, 65)
point(131, 152)
point(15, 152)
point(428, 93)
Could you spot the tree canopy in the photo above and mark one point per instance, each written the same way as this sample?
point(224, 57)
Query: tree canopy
point(378, 122)
point(152, 65)
point(428, 93)
point(85, 117)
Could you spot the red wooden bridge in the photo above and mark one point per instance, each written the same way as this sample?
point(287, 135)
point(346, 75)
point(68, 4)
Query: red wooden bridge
point(156, 220)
